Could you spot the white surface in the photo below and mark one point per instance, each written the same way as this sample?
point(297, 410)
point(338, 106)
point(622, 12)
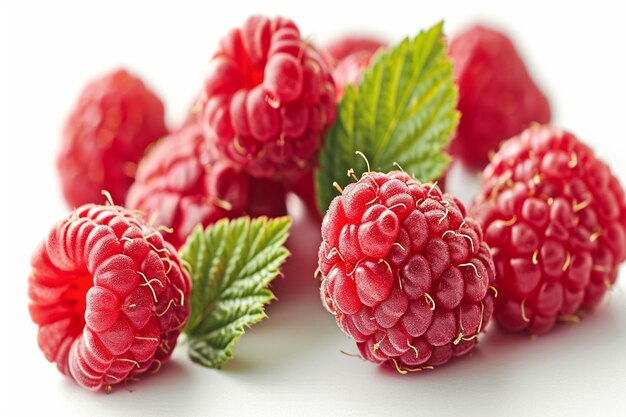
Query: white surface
point(291, 363)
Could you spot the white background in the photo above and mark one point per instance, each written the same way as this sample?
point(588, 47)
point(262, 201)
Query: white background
point(291, 363)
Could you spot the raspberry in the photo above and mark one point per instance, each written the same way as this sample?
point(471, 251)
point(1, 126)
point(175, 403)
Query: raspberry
point(268, 99)
point(350, 44)
point(555, 218)
point(350, 70)
point(184, 183)
point(106, 134)
point(497, 97)
point(405, 273)
point(351, 55)
point(109, 296)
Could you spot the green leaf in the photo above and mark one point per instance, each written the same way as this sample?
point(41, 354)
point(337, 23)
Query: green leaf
point(403, 111)
point(232, 264)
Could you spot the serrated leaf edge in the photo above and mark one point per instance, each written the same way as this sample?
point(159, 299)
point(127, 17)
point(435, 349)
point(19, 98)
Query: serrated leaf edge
point(194, 246)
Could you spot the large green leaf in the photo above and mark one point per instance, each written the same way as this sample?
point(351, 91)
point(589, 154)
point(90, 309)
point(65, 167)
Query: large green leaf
point(403, 111)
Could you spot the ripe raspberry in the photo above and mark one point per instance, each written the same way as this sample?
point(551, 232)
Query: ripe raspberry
point(109, 296)
point(350, 70)
point(268, 99)
point(404, 272)
point(114, 121)
point(350, 44)
point(555, 218)
point(497, 97)
point(350, 56)
point(183, 182)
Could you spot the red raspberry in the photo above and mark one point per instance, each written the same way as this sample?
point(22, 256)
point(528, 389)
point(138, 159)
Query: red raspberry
point(114, 121)
point(350, 70)
point(183, 182)
point(268, 99)
point(555, 218)
point(351, 44)
point(497, 96)
point(405, 273)
point(109, 296)
point(350, 56)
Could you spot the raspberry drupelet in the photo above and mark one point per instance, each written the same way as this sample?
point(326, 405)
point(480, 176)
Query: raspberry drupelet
point(405, 273)
point(114, 121)
point(184, 183)
point(268, 99)
point(109, 296)
point(555, 218)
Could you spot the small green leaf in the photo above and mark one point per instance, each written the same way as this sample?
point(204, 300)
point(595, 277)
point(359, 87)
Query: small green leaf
point(232, 264)
point(404, 111)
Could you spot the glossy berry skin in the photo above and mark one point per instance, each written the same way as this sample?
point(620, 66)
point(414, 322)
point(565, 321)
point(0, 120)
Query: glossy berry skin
point(115, 119)
point(184, 183)
point(305, 189)
point(350, 56)
point(555, 219)
point(497, 96)
point(405, 273)
point(347, 45)
point(268, 99)
point(349, 71)
point(109, 295)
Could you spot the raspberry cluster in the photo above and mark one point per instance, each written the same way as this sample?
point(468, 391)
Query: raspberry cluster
point(115, 120)
point(555, 218)
point(109, 296)
point(268, 99)
point(405, 273)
